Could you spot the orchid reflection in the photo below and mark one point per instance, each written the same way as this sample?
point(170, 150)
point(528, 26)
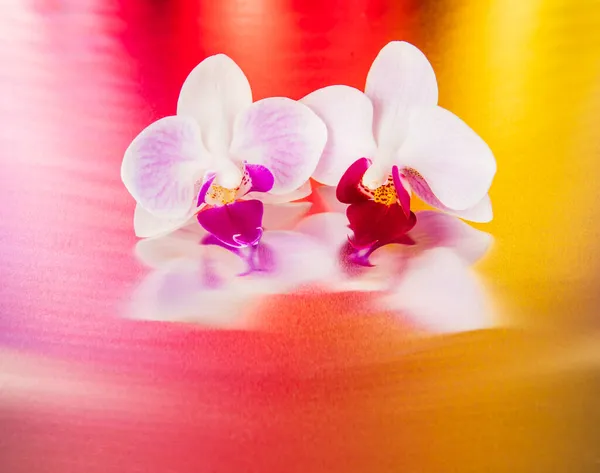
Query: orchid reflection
point(219, 156)
point(197, 278)
point(430, 281)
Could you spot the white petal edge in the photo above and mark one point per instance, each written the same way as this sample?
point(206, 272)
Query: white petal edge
point(456, 163)
point(213, 94)
point(400, 78)
point(285, 136)
point(348, 115)
point(480, 213)
point(438, 230)
point(441, 294)
point(162, 164)
point(147, 225)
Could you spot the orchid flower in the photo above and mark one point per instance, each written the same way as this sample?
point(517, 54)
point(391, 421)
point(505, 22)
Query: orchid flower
point(394, 140)
point(218, 156)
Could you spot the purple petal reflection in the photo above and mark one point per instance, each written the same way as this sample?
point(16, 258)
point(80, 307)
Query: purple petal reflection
point(238, 224)
point(213, 240)
point(258, 258)
point(261, 178)
point(205, 187)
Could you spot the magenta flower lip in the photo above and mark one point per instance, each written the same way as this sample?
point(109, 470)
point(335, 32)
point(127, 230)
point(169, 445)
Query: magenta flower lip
point(374, 223)
point(235, 222)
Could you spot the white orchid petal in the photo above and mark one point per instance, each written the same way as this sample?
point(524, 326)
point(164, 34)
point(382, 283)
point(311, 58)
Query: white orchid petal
point(435, 230)
point(303, 191)
point(162, 164)
point(457, 165)
point(440, 293)
point(285, 136)
point(348, 115)
point(284, 216)
point(146, 225)
point(213, 94)
point(400, 78)
point(480, 213)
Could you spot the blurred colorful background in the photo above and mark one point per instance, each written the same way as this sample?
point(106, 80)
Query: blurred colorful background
point(333, 387)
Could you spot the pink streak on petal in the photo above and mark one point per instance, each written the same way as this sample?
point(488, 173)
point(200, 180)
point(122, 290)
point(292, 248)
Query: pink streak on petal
point(481, 213)
point(285, 136)
point(401, 192)
point(204, 189)
point(161, 166)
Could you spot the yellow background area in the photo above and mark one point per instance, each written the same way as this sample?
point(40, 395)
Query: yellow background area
point(526, 76)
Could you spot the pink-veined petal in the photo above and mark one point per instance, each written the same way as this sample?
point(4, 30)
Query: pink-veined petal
point(456, 164)
point(147, 225)
point(162, 164)
point(348, 115)
point(435, 230)
point(284, 216)
point(285, 136)
point(213, 94)
point(480, 213)
point(400, 78)
point(439, 293)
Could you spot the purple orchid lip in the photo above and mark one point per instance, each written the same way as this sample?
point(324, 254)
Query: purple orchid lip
point(238, 224)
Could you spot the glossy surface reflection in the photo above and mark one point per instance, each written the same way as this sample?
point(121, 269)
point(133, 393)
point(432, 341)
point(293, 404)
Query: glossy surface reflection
point(94, 374)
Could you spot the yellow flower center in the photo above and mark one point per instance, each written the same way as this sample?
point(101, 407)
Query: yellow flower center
point(384, 194)
point(221, 195)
